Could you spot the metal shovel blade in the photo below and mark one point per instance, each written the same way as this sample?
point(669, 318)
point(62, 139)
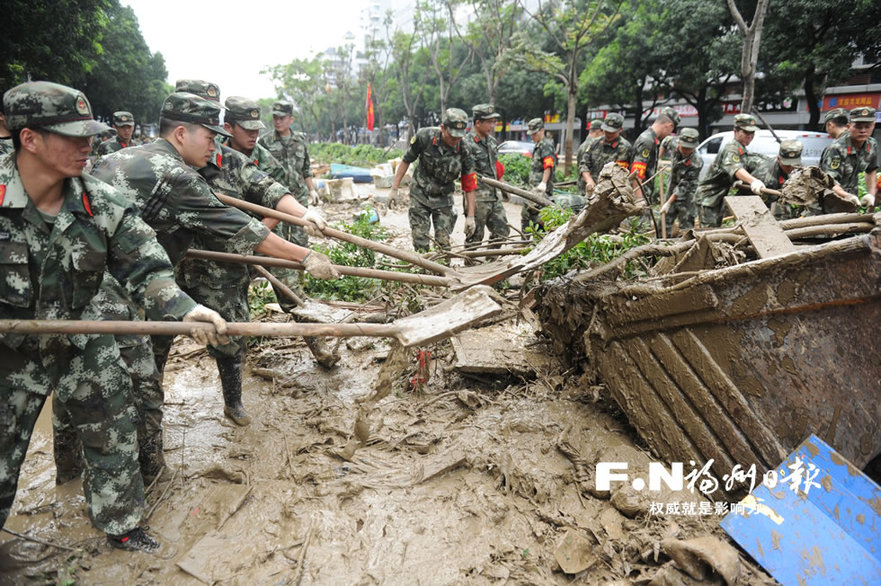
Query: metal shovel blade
point(820, 524)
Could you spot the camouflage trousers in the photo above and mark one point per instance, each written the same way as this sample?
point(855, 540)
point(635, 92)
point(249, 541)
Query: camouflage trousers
point(711, 217)
point(291, 278)
point(149, 400)
point(421, 219)
point(230, 300)
point(98, 397)
point(682, 211)
point(488, 215)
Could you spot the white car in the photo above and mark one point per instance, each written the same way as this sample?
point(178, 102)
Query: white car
point(516, 147)
point(764, 143)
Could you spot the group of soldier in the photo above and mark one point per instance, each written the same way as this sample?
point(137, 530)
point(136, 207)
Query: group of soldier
point(112, 245)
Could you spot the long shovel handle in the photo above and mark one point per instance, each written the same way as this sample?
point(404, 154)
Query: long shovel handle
point(391, 251)
point(267, 261)
point(741, 185)
point(513, 189)
point(173, 328)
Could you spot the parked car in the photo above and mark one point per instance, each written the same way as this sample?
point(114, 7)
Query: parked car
point(764, 143)
point(516, 147)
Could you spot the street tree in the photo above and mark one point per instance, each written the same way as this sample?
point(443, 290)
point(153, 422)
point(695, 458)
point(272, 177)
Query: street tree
point(752, 42)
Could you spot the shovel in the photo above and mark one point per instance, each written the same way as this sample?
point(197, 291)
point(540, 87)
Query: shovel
point(535, 198)
point(436, 323)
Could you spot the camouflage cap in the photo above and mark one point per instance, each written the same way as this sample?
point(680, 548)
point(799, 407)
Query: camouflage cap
point(689, 137)
point(244, 112)
point(455, 121)
point(484, 112)
point(790, 152)
point(186, 107)
point(864, 114)
point(836, 113)
point(613, 122)
point(123, 118)
point(534, 126)
point(596, 125)
point(203, 89)
point(745, 122)
point(50, 106)
point(282, 108)
point(671, 114)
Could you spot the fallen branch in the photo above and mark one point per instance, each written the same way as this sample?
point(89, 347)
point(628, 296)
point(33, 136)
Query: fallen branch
point(38, 540)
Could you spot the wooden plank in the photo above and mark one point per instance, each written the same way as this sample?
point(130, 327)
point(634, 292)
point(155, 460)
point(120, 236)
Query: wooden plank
point(763, 231)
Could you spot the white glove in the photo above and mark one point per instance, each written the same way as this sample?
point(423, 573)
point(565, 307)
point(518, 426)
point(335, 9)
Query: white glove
point(851, 199)
point(312, 215)
point(868, 200)
point(319, 266)
point(666, 207)
point(757, 186)
point(470, 226)
point(314, 199)
point(394, 198)
point(541, 188)
point(205, 336)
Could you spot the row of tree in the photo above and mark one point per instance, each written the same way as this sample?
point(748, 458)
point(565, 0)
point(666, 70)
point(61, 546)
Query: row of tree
point(531, 57)
point(93, 45)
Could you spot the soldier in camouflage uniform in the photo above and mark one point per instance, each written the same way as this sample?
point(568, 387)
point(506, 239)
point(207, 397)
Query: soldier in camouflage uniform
point(442, 159)
point(178, 203)
point(728, 167)
point(685, 169)
point(488, 209)
point(595, 133)
point(612, 148)
point(57, 240)
point(242, 122)
point(774, 171)
point(124, 123)
point(835, 122)
point(541, 175)
point(5, 136)
point(853, 153)
point(645, 152)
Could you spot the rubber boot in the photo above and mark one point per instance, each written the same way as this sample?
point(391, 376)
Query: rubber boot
point(321, 351)
point(230, 370)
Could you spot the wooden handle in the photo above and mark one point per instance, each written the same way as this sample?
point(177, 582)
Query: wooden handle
point(533, 197)
point(267, 261)
point(337, 234)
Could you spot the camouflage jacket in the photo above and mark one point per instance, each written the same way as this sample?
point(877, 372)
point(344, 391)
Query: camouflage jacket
point(720, 177)
point(5, 146)
point(583, 148)
point(543, 156)
point(645, 158)
point(176, 201)
point(684, 175)
point(111, 145)
point(292, 155)
point(484, 152)
point(669, 145)
point(52, 271)
point(602, 152)
point(768, 170)
point(844, 162)
point(239, 178)
point(439, 167)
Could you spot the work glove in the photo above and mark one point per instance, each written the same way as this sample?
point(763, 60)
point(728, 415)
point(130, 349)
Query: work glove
point(317, 220)
point(314, 199)
point(757, 186)
point(868, 200)
point(851, 199)
point(319, 266)
point(541, 188)
point(470, 226)
point(394, 198)
point(666, 207)
point(205, 336)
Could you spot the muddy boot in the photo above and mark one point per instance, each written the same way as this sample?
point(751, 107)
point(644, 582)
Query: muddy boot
point(322, 351)
point(135, 540)
point(231, 381)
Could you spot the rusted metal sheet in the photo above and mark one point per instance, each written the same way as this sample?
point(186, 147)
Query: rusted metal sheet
point(741, 364)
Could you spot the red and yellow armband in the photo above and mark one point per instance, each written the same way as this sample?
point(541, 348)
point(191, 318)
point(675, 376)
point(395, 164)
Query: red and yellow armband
point(469, 182)
point(500, 170)
point(639, 167)
point(547, 162)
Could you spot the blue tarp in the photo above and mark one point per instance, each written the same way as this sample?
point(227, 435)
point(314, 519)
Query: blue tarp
point(358, 174)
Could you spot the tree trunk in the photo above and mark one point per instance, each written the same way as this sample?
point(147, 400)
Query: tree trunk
point(571, 104)
point(811, 96)
point(752, 41)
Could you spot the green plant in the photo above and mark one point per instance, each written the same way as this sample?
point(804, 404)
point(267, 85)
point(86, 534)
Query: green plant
point(259, 294)
point(516, 168)
point(361, 155)
point(596, 249)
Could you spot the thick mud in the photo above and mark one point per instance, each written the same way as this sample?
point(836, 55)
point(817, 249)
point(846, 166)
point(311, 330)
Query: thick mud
point(356, 475)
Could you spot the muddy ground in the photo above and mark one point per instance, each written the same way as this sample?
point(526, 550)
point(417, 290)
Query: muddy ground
point(462, 479)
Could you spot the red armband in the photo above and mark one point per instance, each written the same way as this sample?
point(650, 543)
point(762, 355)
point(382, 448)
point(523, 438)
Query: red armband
point(500, 170)
point(469, 182)
point(639, 167)
point(547, 162)
point(622, 164)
